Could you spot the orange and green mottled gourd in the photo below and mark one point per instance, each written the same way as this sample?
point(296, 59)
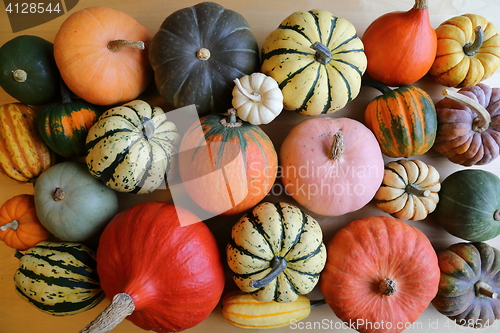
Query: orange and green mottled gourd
point(227, 165)
point(379, 270)
point(403, 120)
point(23, 153)
point(469, 285)
point(19, 224)
point(64, 125)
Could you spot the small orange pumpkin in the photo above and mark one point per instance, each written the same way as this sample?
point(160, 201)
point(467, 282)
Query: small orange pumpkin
point(102, 55)
point(19, 224)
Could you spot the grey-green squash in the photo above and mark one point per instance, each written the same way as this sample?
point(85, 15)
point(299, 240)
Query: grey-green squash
point(59, 278)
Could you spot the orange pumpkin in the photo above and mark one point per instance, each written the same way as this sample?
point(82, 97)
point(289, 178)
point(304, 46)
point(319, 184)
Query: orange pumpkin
point(102, 55)
point(400, 46)
point(379, 270)
point(23, 154)
point(226, 165)
point(19, 224)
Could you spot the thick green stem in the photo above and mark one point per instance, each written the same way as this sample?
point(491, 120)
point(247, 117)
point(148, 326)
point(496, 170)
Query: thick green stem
point(278, 265)
point(317, 303)
point(383, 88)
point(471, 48)
point(323, 53)
point(116, 45)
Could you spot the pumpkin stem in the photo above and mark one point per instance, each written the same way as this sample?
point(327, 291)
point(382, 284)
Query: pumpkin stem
point(484, 290)
point(19, 75)
point(317, 303)
point(121, 306)
point(338, 146)
point(383, 88)
point(116, 45)
point(18, 254)
point(253, 96)
point(420, 4)
point(13, 225)
point(203, 54)
point(496, 215)
point(412, 189)
point(278, 265)
point(59, 194)
point(387, 287)
point(323, 53)
point(231, 120)
point(148, 129)
point(483, 119)
point(471, 48)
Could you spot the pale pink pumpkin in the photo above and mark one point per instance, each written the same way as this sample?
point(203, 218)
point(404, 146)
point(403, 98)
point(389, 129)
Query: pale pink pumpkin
point(331, 166)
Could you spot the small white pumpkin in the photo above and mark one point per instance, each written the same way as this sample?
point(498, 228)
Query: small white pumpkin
point(257, 98)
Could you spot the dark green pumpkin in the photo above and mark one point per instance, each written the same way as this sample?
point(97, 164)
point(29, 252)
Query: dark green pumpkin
point(59, 278)
point(64, 125)
point(28, 71)
point(469, 284)
point(404, 120)
point(198, 52)
point(469, 205)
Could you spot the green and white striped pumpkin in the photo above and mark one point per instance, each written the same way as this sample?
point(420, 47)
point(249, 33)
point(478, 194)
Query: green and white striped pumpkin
point(276, 252)
point(59, 278)
point(133, 147)
point(317, 60)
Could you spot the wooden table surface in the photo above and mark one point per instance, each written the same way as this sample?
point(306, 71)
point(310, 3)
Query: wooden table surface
point(17, 316)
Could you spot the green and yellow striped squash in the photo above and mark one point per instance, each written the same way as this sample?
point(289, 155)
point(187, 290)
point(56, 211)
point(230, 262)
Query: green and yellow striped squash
point(317, 60)
point(276, 252)
point(404, 120)
point(242, 310)
point(132, 148)
point(23, 153)
point(59, 278)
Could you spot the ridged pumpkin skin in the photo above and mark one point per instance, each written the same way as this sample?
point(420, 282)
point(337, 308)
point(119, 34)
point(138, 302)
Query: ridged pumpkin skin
point(64, 126)
point(132, 148)
point(90, 68)
point(459, 138)
point(469, 205)
point(315, 82)
point(470, 278)
point(227, 170)
point(403, 120)
point(28, 71)
point(463, 57)
point(23, 153)
point(167, 261)
point(242, 310)
point(198, 52)
point(59, 278)
point(361, 256)
point(273, 233)
point(19, 225)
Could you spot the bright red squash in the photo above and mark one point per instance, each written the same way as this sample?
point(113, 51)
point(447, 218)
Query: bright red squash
point(227, 166)
point(400, 46)
point(162, 268)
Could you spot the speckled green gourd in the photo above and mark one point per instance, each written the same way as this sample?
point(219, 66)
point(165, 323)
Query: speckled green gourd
point(276, 252)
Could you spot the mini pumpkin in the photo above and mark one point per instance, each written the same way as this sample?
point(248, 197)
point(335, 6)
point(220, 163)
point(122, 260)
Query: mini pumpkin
point(468, 51)
point(317, 60)
point(409, 190)
point(257, 98)
point(468, 131)
point(276, 252)
point(19, 224)
point(469, 284)
point(379, 270)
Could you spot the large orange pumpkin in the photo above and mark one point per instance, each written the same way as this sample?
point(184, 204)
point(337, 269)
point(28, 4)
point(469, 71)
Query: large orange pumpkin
point(380, 274)
point(226, 165)
point(102, 55)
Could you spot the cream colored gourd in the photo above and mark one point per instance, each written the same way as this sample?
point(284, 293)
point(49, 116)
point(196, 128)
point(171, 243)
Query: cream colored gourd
point(409, 190)
point(257, 98)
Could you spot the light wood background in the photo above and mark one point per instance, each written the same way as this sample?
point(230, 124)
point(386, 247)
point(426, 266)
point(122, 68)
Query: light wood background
point(263, 16)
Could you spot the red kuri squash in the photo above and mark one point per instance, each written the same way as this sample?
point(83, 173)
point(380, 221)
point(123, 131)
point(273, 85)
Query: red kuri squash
point(162, 268)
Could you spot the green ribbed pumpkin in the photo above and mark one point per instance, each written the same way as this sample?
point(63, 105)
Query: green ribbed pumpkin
point(317, 60)
point(59, 278)
point(132, 148)
point(403, 119)
point(276, 252)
